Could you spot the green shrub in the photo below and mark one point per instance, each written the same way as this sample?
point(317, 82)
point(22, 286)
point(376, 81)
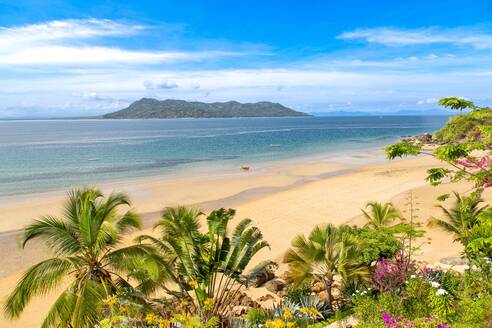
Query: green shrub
point(474, 312)
point(466, 127)
point(256, 317)
point(367, 311)
point(377, 243)
point(296, 293)
point(417, 291)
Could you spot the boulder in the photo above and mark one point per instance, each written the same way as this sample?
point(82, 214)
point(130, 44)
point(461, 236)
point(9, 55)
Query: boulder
point(425, 138)
point(275, 285)
point(262, 278)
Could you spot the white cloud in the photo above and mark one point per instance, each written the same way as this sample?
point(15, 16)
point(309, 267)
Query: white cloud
point(68, 42)
point(159, 84)
point(427, 101)
point(403, 37)
point(58, 30)
point(61, 55)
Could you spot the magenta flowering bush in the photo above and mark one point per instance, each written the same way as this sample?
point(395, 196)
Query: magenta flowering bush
point(396, 322)
point(392, 274)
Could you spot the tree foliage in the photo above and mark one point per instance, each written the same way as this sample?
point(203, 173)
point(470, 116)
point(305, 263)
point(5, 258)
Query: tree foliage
point(84, 241)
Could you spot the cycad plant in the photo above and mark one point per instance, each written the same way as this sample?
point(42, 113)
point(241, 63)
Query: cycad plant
point(326, 252)
point(380, 215)
point(207, 267)
point(461, 217)
point(86, 259)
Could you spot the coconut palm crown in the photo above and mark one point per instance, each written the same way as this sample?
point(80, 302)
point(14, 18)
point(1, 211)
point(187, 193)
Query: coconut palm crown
point(86, 262)
point(461, 218)
point(380, 215)
point(326, 252)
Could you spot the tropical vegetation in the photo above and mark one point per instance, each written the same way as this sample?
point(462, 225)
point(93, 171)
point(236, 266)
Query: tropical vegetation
point(194, 268)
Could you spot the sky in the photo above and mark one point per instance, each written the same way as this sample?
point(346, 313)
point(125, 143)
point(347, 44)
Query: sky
point(81, 58)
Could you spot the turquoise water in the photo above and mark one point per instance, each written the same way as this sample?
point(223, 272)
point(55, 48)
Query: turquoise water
point(58, 154)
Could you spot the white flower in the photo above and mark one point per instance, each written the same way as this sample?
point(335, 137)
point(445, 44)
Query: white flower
point(474, 267)
point(413, 276)
point(441, 292)
point(466, 267)
point(435, 284)
point(406, 281)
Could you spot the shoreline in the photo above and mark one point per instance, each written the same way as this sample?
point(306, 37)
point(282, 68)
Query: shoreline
point(282, 200)
point(34, 204)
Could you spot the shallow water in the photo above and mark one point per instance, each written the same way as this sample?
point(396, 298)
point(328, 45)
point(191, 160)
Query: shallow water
point(45, 155)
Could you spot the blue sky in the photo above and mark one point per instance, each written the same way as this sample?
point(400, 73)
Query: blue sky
point(65, 58)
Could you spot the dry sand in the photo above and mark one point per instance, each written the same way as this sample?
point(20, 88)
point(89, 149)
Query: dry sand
point(282, 199)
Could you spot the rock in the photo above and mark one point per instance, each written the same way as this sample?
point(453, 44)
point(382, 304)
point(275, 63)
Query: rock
point(348, 322)
point(425, 138)
point(265, 298)
point(263, 277)
point(318, 287)
point(455, 260)
point(275, 285)
point(282, 293)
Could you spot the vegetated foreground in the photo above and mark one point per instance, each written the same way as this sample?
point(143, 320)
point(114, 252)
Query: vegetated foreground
point(189, 275)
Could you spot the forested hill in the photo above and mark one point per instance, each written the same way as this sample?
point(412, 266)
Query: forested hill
point(170, 108)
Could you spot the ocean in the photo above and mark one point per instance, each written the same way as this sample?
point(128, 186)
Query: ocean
point(46, 155)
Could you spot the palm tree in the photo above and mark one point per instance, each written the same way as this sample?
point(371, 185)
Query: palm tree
point(328, 251)
point(208, 267)
point(380, 215)
point(461, 217)
point(86, 259)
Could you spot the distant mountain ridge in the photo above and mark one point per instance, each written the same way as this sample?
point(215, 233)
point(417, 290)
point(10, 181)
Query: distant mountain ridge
point(147, 108)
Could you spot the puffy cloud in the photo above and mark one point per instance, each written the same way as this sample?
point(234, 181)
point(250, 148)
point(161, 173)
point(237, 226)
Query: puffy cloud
point(159, 84)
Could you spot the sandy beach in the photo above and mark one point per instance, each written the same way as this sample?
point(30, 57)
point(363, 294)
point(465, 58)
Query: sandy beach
point(283, 199)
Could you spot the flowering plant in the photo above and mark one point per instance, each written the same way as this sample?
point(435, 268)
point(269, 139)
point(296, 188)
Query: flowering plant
point(392, 274)
point(396, 322)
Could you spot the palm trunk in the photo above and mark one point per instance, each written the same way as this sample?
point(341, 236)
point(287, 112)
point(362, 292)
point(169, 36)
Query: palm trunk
point(329, 299)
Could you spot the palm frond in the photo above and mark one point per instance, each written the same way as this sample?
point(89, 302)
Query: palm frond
point(38, 280)
point(60, 237)
point(61, 311)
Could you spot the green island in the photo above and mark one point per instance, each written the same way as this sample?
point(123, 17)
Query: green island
point(148, 108)
point(193, 270)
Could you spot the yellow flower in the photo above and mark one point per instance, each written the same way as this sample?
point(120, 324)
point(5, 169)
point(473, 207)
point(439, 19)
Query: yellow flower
point(111, 300)
point(277, 323)
point(150, 318)
point(192, 283)
point(291, 325)
point(122, 309)
point(183, 304)
point(288, 314)
point(208, 304)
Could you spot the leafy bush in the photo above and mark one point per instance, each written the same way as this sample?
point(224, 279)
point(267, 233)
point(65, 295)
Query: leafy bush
point(295, 293)
point(378, 243)
point(256, 317)
point(367, 310)
point(474, 312)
